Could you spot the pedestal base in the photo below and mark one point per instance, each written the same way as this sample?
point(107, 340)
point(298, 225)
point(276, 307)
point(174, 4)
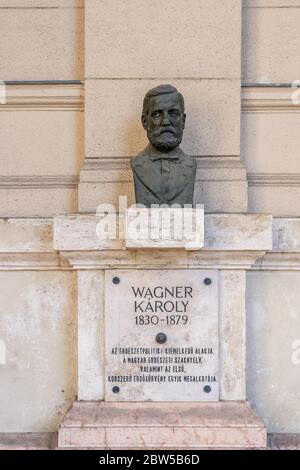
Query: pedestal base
point(156, 425)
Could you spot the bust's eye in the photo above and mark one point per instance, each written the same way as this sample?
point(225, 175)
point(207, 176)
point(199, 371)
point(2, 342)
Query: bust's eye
point(156, 114)
point(174, 113)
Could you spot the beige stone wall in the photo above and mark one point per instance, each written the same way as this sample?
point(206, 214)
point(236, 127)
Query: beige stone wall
point(270, 41)
point(41, 126)
point(41, 134)
point(271, 115)
point(41, 131)
point(41, 40)
point(270, 151)
point(273, 357)
point(38, 329)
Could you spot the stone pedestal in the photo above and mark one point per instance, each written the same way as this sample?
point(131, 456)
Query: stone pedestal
point(233, 243)
point(168, 228)
point(223, 425)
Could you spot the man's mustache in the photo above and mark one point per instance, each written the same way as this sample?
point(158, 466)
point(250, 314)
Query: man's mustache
point(163, 130)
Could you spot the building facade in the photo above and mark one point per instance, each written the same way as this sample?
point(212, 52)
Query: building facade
point(73, 75)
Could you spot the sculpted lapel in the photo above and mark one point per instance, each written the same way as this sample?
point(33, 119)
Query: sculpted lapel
point(147, 174)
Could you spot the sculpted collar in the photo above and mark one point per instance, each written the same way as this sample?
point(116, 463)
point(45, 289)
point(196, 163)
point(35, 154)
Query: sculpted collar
point(175, 155)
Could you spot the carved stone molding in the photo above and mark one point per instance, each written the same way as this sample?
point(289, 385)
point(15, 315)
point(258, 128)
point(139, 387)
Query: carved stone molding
point(273, 179)
point(44, 97)
point(265, 100)
point(118, 169)
point(39, 181)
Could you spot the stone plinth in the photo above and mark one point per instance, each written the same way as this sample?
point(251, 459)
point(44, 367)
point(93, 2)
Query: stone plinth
point(170, 228)
point(102, 425)
point(233, 244)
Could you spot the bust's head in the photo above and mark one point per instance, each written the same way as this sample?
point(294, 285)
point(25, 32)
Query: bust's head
point(163, 117)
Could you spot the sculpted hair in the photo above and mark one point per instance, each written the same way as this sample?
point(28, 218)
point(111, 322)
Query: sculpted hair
point(161, 90)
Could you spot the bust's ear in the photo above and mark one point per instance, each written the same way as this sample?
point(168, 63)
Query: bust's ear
point(184, 118)
point(144, 121)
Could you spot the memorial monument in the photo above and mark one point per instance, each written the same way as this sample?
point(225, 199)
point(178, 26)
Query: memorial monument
point(161, 334)
point(139, 341)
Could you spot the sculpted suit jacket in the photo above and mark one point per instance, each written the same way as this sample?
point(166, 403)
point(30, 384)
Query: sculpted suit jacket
point(163, 178)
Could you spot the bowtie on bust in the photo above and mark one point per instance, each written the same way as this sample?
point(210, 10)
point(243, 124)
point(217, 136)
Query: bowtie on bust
point(165, 162)
point(174, 159)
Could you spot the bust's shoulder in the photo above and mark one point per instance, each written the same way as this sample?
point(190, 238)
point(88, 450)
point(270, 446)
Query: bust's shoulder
point(140, 159)
point(189, 161)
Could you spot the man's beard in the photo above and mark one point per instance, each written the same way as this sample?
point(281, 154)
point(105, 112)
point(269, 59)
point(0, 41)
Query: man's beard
point(164, 141)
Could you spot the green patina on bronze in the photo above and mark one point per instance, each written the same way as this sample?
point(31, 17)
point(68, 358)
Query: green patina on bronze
point(163, 174)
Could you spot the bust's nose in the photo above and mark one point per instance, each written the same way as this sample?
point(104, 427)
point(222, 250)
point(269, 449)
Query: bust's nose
point(165, 119)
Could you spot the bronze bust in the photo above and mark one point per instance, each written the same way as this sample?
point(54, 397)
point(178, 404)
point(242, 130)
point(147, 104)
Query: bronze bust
point(162, 173)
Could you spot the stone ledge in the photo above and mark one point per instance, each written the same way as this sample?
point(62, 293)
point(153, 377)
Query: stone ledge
point(24, 235)
point(223, 232)
point(149, 425)
point(27, 243)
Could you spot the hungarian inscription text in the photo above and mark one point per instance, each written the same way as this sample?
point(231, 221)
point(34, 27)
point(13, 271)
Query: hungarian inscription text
point(162, 336)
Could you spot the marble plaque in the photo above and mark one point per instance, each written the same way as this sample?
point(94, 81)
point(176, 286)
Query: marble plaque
point(161, 335)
